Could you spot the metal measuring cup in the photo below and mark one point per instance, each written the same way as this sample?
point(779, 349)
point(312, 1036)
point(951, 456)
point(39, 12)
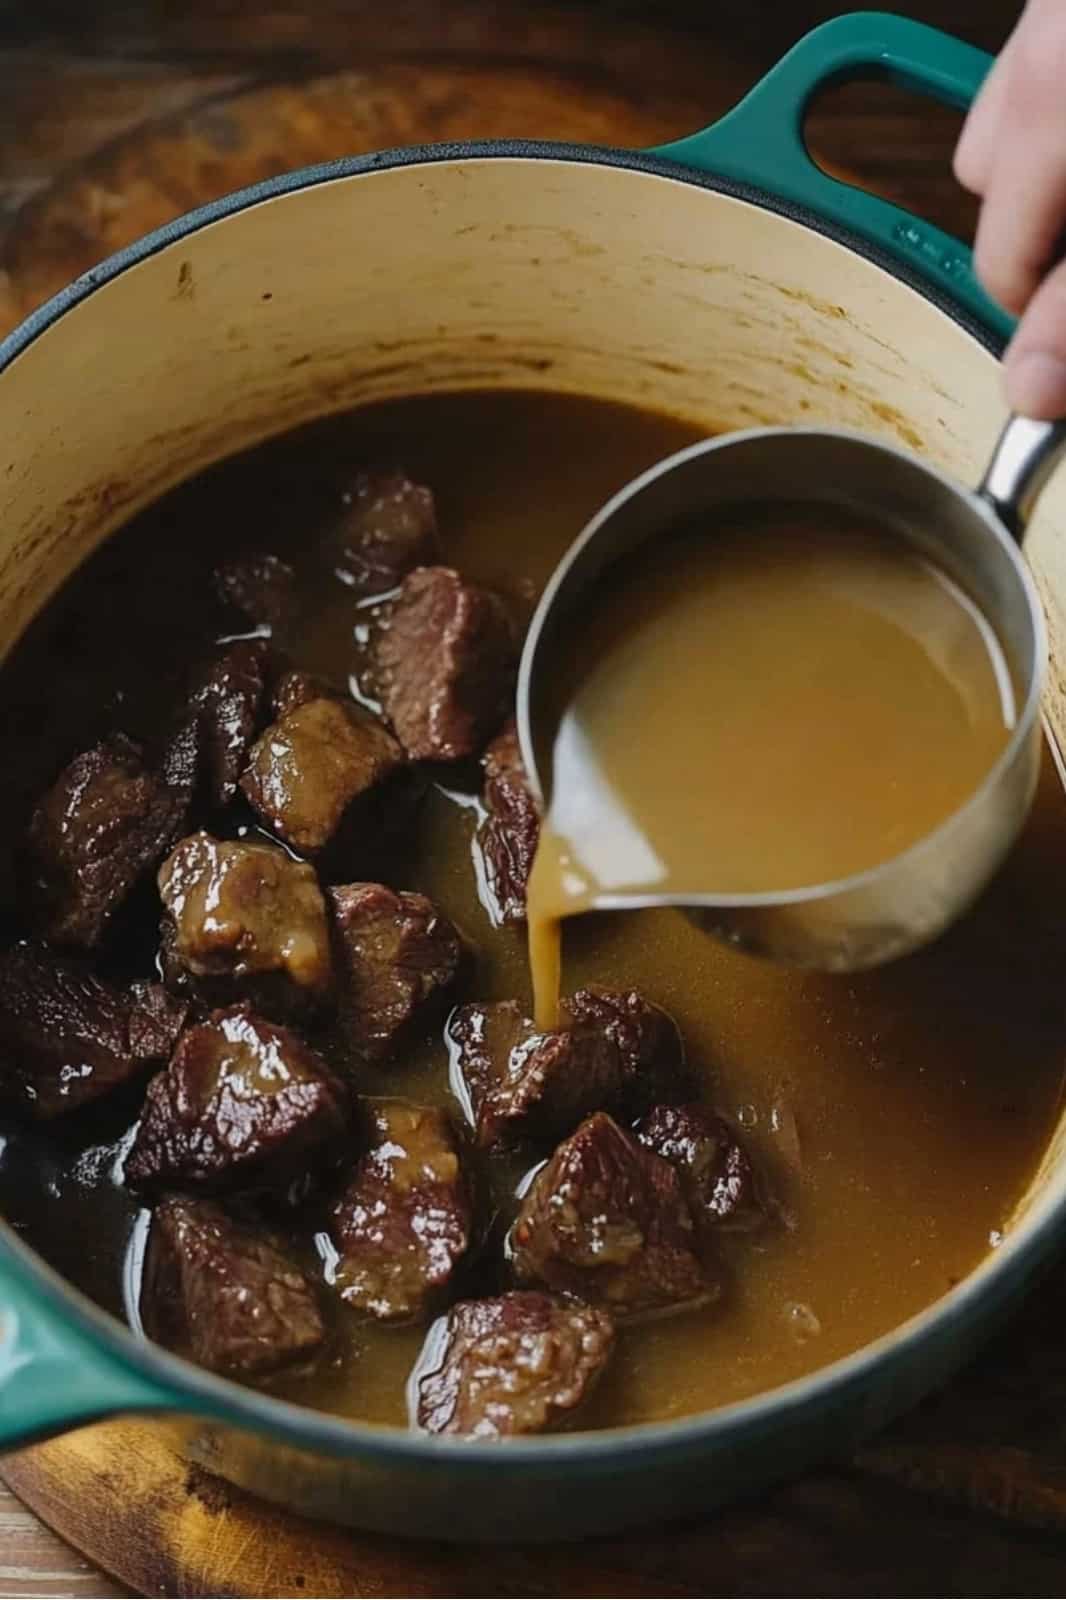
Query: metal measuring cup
point(973, 536)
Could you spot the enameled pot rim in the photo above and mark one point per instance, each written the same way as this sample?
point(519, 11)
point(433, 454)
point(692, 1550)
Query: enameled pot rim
point(191, 1389)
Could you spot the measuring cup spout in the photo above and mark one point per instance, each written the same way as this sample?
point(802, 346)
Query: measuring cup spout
point(1024, 459)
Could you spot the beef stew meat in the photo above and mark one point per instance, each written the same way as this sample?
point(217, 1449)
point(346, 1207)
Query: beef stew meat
point(443, 664)
point(618, 1053)
point(105, 823)
point(508, 836)
point(244, 921)
point(717, 1175)
point(243, 1105)
point(606, 1219)
point(67, 1037)
point(520, 1363)
point(229, 1294)
point(310, 767)
point(259, 585)
point(224, 708)
point(403, 1224)
point(398, 959)
point(387, 528)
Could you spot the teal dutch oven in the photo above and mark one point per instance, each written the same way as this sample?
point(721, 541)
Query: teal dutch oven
point(723, 278)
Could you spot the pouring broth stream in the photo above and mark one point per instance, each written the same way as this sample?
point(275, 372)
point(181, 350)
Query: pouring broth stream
point(782, 700)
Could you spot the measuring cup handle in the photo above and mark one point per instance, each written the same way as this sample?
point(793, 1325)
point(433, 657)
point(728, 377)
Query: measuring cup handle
point(761, 144)
point(1024, 459)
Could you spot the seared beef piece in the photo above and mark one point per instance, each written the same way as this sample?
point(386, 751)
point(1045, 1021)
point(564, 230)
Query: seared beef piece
point(228, 1294)
point(224, 707)
point(443, 665)
point(520, 1363)
point(508, 836)
point(105, 822)
point(615, 1051)
point(258, 585)
point(244, 1104)
point(244, 921)
point(295, 689)
point(66, 1037)
point(312, 765)
point(404, 1221)
point(607, 1220)
point(715, 1170)
point(398, 958)
point(387, 528)
point(649, 1044)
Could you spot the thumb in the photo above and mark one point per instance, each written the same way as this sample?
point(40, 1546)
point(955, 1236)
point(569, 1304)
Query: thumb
point(1036, 360)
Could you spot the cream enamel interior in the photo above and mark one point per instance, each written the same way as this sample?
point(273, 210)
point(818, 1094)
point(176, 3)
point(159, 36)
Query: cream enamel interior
point(508, 271)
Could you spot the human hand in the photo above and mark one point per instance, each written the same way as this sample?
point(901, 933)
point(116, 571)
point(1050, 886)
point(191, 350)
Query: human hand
point(1012, 154)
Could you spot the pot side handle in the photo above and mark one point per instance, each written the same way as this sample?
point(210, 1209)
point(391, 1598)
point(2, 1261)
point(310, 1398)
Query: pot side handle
point(52, 1375)
point(761, 141)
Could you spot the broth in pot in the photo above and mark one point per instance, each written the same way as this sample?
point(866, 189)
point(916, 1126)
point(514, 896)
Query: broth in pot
point(718, 1175)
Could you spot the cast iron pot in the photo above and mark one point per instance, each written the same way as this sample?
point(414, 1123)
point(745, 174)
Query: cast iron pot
point(723, 278)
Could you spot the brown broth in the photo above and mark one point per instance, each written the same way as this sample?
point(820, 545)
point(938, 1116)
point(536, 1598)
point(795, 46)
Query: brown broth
point(782, 699)
point(900, 1115)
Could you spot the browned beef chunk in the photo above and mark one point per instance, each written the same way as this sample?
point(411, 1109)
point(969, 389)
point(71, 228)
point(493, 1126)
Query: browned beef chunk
point(508, 836)
point(224, 708)
point(616, 1051)
point(607, 1220)
point(312, 765)
point(294, 689)
point(106, 821)
point(259, 585)
point(229, 1295)
point(388, 527)
point(398, 959)
point(520, 1363)
point(244, 922)
point(243, 1104)
point(715, 1170)
point(67, 1038)
point(403, 1223)
point(443, 665)
point(649, 1045)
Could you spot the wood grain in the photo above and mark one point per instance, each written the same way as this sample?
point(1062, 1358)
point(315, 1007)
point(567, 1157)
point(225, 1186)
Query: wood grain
point(117, 117)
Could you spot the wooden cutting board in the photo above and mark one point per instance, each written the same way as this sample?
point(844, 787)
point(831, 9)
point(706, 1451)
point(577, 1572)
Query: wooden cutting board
point(966, 1496)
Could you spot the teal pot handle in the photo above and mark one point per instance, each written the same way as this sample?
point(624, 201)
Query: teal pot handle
point(761, 142)
point(53, 1376)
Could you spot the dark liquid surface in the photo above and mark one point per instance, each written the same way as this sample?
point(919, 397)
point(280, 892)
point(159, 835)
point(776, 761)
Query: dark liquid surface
point(900, 1115)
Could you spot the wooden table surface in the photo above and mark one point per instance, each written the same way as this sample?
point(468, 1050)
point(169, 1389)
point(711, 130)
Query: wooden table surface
point(117, 115)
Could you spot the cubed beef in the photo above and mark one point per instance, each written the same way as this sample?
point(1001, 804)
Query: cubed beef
point(294, 689)
point(649, 1044)
point(403, 1223)
point(520, 1363)
point(66, 1037)
point(397, 960)
point(245, 922)
point(311, 766)
point(106, 821)
point(244, 1104)
point(616, 1051)
point(225, 708)
point(226, 1293)
point(607, 1220)
point(443, 665)
point(716, 1172)
point(508, 836)
point(388, 526)
point(258, 585)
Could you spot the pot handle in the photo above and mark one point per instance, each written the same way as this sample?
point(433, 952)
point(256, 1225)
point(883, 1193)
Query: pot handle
point(54, 1376)
point(761, 141)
